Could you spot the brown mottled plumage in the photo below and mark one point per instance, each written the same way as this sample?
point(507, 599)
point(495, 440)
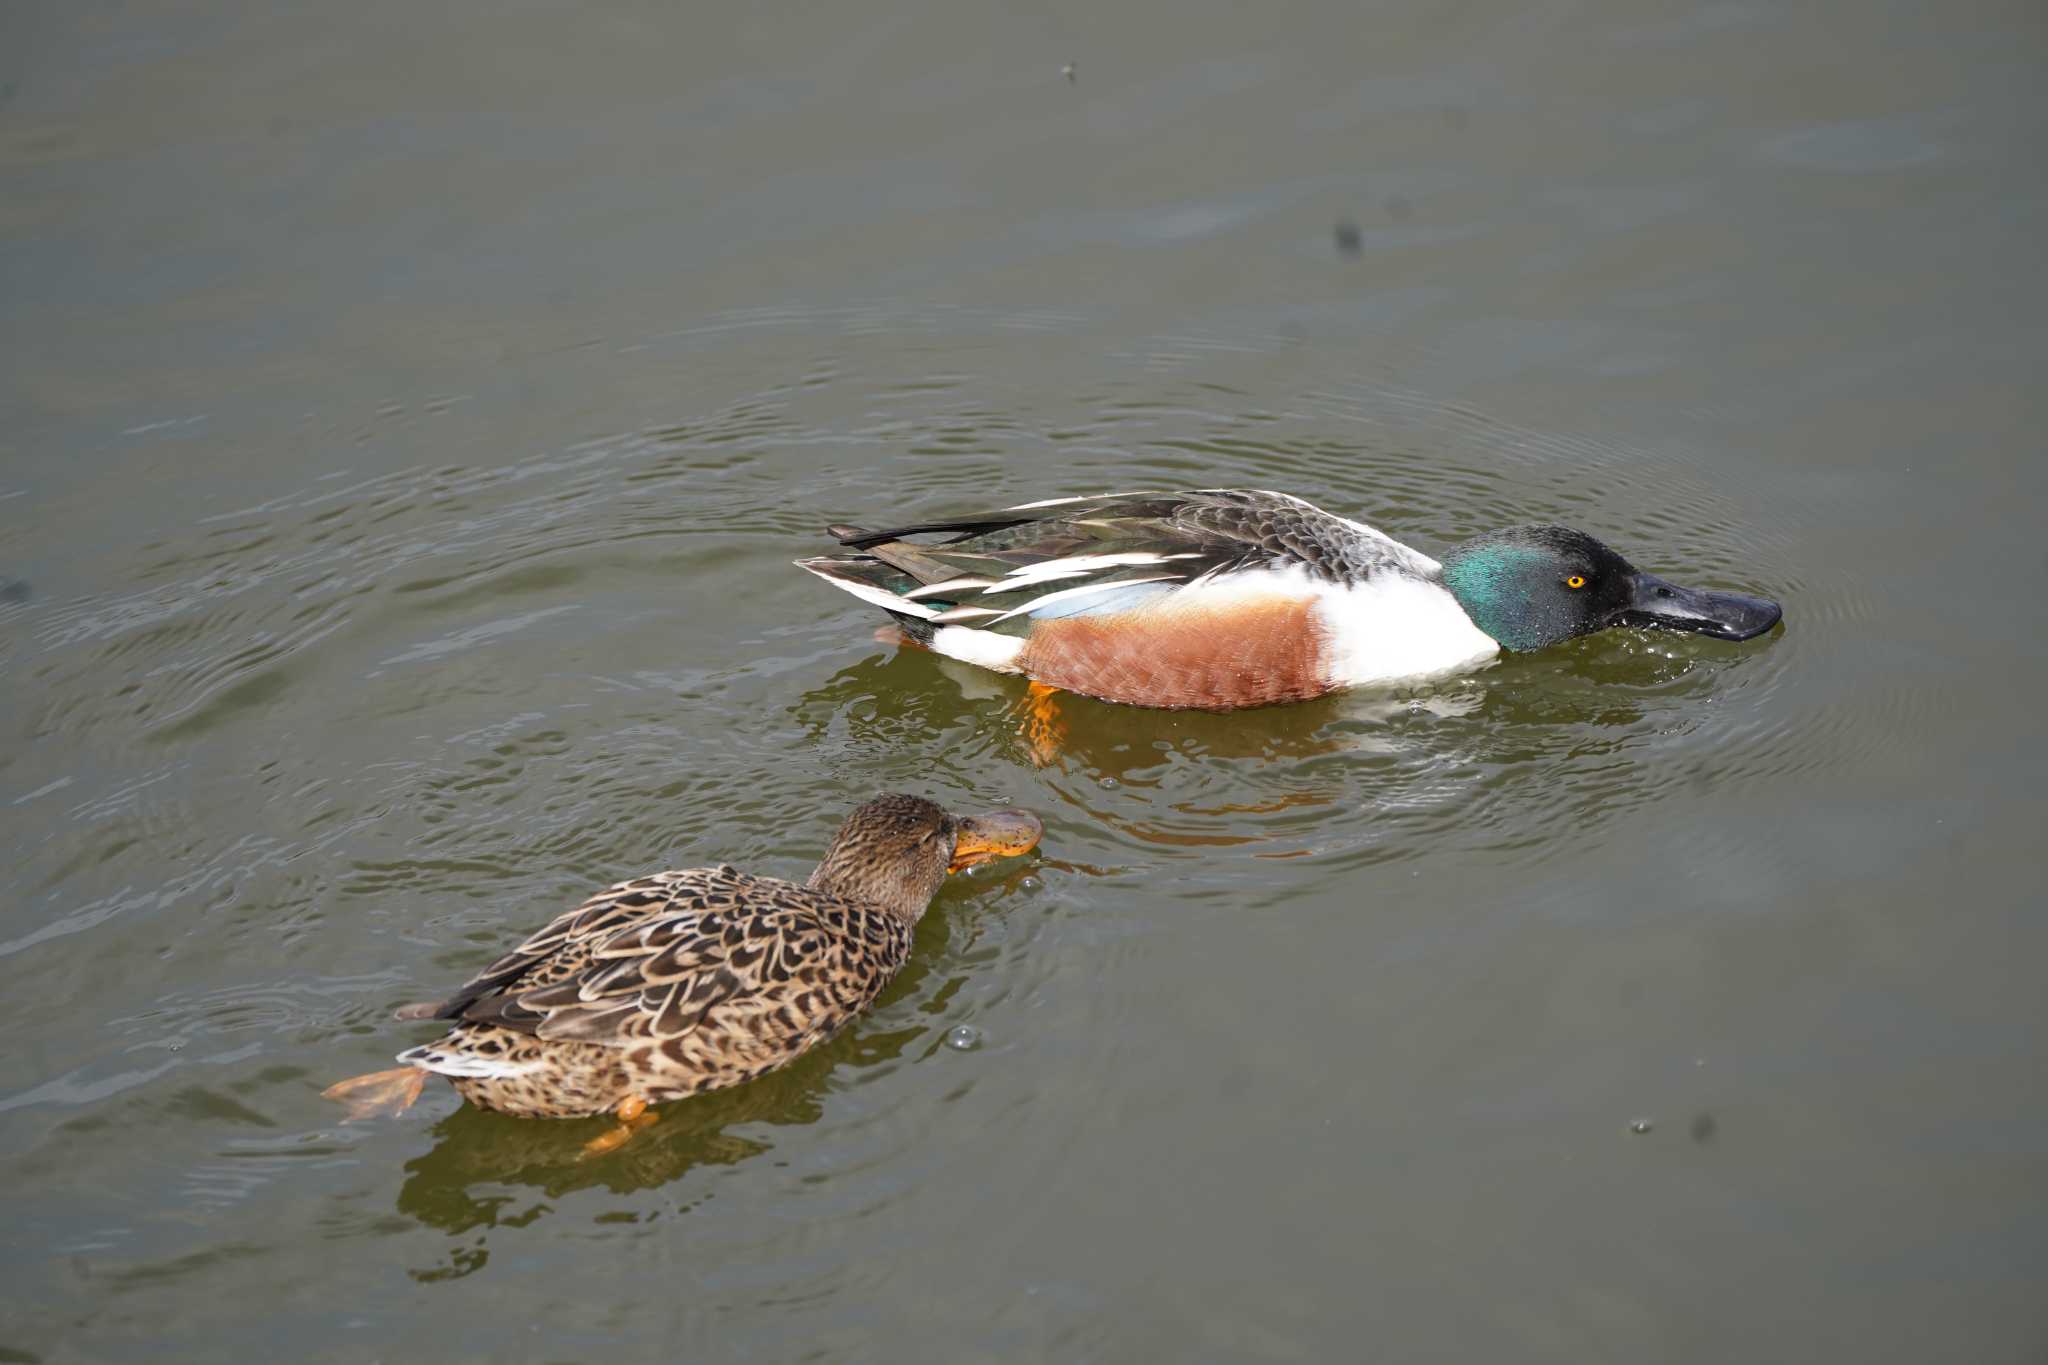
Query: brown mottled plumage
point(685, 981)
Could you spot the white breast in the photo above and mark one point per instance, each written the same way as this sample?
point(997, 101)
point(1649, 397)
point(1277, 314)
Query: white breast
point(1394, 626)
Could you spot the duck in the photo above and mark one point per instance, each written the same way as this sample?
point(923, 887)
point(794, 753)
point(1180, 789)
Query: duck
point(685, 981)
point(1218, 599)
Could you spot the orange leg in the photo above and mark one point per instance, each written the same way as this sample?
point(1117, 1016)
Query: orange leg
point(632, 1115)
point(380, 1092)
point(1043, 730)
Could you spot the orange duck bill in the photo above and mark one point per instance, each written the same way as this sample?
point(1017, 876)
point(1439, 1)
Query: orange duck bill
point(998, 834)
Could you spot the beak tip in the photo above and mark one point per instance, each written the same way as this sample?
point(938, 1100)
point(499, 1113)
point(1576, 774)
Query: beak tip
point(996, 834)
point(1028, 829)
point(1750, 617)
point(1718, 615)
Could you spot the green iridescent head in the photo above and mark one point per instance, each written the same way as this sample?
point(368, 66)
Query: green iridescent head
point(1533, 586)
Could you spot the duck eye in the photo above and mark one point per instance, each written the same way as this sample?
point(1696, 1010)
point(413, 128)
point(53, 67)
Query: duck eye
point(1575, 581)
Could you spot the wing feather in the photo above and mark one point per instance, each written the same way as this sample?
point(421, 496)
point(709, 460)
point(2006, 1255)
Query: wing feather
point(1007, 570)
point(649, 959)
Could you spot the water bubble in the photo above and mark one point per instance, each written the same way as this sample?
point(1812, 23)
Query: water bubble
point(1110, 784)
point(1030, 883)
point(1640, 1125)
point(963, 1038)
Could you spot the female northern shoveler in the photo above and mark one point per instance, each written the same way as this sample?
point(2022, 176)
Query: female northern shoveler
point(685, 981)
point(1226, 598)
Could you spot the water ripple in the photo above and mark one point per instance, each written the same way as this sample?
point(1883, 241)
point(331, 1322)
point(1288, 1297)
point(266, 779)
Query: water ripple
point(331, 751)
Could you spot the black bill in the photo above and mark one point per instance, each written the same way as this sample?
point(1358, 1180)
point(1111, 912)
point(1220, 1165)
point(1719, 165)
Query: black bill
point(1723, 615)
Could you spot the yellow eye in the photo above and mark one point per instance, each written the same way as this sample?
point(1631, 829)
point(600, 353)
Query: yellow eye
point(1575, 581)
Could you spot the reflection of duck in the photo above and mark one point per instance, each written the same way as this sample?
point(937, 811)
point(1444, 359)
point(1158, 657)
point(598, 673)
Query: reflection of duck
point(1221, 599)
point(464, 1184)
point(890, 701)
point(459, 1183)
point(903, 702)
point(694, 980)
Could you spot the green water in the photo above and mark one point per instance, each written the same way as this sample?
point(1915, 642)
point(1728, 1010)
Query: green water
point(408, 418)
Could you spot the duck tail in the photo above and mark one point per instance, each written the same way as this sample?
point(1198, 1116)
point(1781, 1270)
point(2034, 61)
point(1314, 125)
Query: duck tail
point(454, 1055)
point(878, 584)
point(861, 538)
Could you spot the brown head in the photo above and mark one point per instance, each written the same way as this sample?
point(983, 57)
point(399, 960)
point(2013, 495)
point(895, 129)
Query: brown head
point(896, 850)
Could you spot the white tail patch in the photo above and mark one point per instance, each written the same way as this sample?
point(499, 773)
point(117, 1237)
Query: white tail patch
point(983, 648)
point(430, 1057)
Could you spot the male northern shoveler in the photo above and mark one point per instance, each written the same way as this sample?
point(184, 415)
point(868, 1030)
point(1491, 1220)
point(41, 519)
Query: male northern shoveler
point(687, 981)
point(1225, 598)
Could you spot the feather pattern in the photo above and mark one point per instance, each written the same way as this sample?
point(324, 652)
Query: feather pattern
point(1218, 598)
point(685, 981)
point(1226, 598)
point(661, 987)
point(1066, 546)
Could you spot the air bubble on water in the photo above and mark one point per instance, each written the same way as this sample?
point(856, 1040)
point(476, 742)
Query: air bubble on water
point(1110, 784)
point(963, 1038)
point(1030, 883)
point(1640, 1125)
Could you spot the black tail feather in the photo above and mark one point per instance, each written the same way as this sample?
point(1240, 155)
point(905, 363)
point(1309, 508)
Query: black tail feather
point(853, 537)
point(915, 627)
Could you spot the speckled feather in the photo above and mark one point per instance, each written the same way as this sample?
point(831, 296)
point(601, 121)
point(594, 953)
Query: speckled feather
point(662, 987)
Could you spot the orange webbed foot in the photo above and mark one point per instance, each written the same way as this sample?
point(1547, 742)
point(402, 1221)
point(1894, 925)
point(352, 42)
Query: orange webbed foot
point(1043, 729)
point(632, 1115)
point(379, 1093)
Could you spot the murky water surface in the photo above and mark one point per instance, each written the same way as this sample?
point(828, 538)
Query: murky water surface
point(410, 414)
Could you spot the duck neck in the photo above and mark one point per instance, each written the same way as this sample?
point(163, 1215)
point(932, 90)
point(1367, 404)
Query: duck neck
point(852, 875)
point(1482, 576)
